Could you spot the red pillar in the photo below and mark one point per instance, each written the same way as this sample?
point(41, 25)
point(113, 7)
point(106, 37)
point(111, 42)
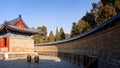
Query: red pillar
point(0, 44)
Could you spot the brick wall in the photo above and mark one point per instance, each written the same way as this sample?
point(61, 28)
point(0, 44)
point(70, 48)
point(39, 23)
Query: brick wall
point(104, 40)
point(19, 44)
point(104, 45)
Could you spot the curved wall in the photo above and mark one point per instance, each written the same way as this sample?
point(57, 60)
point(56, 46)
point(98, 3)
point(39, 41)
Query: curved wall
point(107, 39)
point(104, 44)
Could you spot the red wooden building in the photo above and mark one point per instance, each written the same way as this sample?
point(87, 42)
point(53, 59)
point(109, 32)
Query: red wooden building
point(15, 35)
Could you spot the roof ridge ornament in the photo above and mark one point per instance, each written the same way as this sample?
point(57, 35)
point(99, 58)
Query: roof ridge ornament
point(5, 21)
point(20, 16)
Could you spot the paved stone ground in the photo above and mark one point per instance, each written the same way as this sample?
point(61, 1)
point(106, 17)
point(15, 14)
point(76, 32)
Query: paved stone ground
point(45, 62)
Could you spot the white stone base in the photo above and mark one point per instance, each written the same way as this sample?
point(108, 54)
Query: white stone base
point(7, 54)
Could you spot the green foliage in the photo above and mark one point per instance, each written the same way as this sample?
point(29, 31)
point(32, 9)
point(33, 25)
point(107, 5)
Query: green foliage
point(113, 3)
point(108, 2)
point(62, 34)
point(42, 37)
point(105, 13)
point(57, 36)
point(90, 18)
point(79, 28)
point(74, 29)
point(67, 36)
point(117, 5)
point(99, 13)
point(82, 26)
point(43, 29)
point(51, 37)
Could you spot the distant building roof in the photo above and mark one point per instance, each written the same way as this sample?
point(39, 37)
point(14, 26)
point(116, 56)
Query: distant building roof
point(12, 26)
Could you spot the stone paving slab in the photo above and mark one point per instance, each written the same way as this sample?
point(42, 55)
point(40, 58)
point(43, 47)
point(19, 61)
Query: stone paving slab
point(45, 62)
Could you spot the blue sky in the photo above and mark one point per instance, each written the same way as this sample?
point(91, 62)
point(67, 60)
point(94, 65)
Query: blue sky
point(51, 13)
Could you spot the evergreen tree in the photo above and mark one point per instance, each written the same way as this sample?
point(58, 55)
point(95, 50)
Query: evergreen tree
point(43, 30)
point(108, 2)
point(67, 36)
point(105, 13)
point(74, 29)
point(117, 6)
point(42, 36)
point(51, 37)
point(82, 26)
point(62, 34)
point(79, 28)
point(90, 18)
point(57, 37)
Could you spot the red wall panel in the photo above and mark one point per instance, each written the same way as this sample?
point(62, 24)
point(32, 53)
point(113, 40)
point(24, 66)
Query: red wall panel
point(2, 43)
point(21, 24)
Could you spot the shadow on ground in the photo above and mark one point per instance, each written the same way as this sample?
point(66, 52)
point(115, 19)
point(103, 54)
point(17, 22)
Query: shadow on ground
point(44, 63)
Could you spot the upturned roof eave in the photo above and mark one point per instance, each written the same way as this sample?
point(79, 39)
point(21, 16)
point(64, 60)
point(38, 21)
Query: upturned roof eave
point(23, 30)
